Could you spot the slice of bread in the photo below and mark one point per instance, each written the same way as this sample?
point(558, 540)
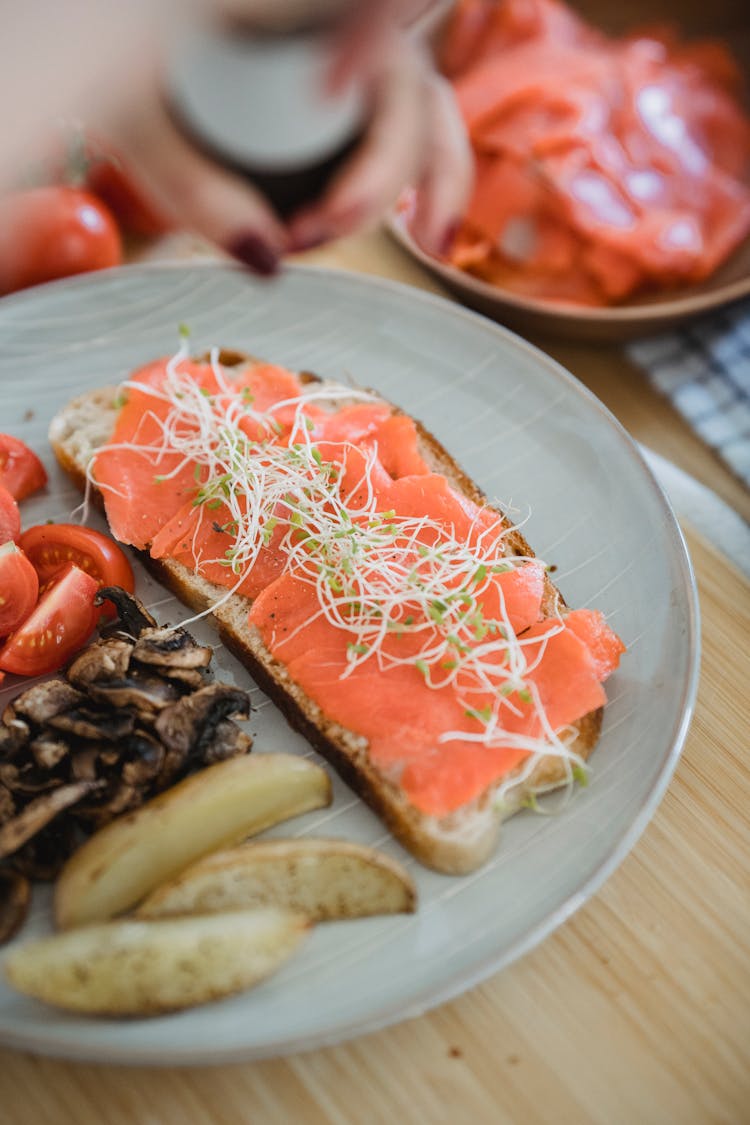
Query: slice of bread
point(453, 844)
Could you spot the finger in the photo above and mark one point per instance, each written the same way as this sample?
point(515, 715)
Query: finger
point(466, 31)
point(195, 192)
point(390, 155)
point(361, 41)
point(444, 191)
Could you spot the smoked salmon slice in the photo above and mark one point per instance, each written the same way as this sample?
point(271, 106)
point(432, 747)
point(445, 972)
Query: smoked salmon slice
point(144, 484)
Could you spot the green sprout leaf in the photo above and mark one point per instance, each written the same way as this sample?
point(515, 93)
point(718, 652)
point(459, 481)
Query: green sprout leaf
point(482, 714)
point(581, 775)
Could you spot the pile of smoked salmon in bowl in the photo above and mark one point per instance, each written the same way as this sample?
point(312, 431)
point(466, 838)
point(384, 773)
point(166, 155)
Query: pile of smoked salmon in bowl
point(612, 170)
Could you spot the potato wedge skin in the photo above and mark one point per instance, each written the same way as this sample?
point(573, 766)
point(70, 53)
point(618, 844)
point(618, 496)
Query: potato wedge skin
point(146, 968)
point(322, 878)
point(211, 809)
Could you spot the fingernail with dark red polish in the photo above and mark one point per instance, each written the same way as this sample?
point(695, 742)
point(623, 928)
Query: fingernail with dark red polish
point(254, 252)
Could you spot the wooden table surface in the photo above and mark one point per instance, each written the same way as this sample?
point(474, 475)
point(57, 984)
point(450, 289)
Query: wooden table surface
point(637, 1010)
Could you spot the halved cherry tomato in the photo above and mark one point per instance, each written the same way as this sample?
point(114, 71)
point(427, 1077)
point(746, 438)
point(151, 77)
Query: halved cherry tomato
point(10, 517)
point(51, 232)
point(19, 588)
point(21, 471)
point(62, 622)
point(51, 546)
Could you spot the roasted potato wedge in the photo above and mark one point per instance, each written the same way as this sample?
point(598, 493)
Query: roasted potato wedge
point(214, 808)
point(323, 879)
point(131, 968)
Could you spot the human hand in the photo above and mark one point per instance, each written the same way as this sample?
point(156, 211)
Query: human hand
point(111, 80)
point(415, 136)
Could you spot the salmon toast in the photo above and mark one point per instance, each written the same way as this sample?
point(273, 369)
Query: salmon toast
point(399, 621)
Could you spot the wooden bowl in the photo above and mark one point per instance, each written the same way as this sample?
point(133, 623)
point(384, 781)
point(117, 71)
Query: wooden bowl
point(642, 315)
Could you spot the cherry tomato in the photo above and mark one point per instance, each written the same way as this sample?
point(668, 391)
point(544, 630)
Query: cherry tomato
point(51, 546)
point(109, 179)
point(52, 232)
point(10, 517)
point(62, 622)
point(21, 471)
point(19, 588)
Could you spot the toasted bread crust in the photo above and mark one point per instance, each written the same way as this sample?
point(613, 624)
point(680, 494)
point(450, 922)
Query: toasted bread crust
point(454, 844)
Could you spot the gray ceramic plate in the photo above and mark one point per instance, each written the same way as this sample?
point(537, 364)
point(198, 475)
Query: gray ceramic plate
point(532, 437)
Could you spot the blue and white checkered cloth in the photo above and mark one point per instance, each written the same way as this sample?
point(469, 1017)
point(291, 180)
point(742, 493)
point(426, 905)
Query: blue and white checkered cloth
point(704, 369)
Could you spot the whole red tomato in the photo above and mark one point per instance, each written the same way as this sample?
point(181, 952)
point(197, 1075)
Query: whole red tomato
point(51, 232)
point(109, 179)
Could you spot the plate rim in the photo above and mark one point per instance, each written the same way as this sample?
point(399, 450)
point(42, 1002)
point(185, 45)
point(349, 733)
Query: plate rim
point(460, 981)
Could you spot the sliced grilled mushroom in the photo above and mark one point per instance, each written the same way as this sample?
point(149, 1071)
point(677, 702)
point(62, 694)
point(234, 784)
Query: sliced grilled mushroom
point(47, 751)
point(171, 648)
point(188, 725)
point(145, 758)
point(105, 660)
point(146, 694)
point(228, 741)
point(40, 703)
point(38, 813)
point(119, 797)
point(83, 763)
point(8, 775)
point(7, 804)
point(25, 778)
point(125, 797)
point(15, 896)
point(133, 615)
point(14, 734)
point(185, 678)
point(109, 757)
point(85, 723)
point(43, 856)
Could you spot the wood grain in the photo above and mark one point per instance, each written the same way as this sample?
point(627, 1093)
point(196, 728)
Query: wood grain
point(636, 1010)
